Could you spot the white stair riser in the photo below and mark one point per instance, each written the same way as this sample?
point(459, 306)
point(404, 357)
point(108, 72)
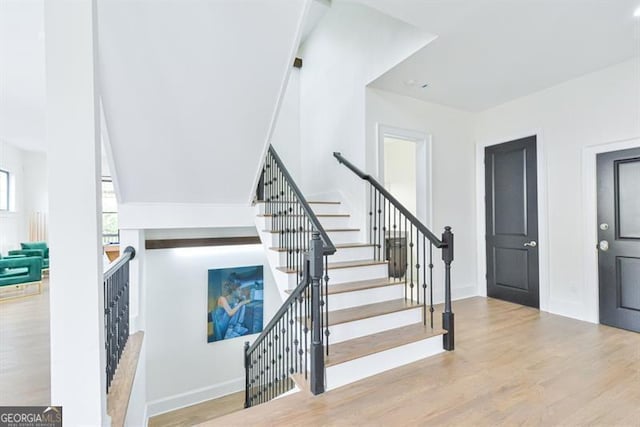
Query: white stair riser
point(344, 275)
point(358, 274)
point(341, 255)
point(317, 208)
point(372, 325)
point(337, 237)
point(366, 296)
point(363, 367)
point(326, 221)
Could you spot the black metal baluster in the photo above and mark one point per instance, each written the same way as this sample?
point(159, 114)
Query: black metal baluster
point(371, 214)
point(380, 222)
point(424, 279)
point(431, 283)
point(375, 222)
point(411, 255)
point(326, 302)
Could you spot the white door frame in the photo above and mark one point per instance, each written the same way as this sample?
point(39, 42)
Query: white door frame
point(590, 221)
point(424, 186)
point(543, 219)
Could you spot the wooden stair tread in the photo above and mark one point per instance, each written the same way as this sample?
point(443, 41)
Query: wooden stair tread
point(329, 230)
point(311, 202)
point(370, 344)
point(338, 246)
point(370, 310)
point(337, 265)
point(358, 286)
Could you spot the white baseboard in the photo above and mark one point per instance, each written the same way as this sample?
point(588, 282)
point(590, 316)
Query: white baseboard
point(182, 400)
point(572, 309)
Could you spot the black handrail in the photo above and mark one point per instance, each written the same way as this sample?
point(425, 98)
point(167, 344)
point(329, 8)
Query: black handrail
point(400, 239)
point(328, 247)
point(128, 254)
point(295, 294)
point(415, 221)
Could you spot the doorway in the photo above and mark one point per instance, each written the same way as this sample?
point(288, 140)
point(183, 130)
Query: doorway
point(618, 180)
point(511, 208)
point(404, 168)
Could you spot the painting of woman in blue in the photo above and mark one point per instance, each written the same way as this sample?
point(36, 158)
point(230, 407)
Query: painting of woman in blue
point(235, 302)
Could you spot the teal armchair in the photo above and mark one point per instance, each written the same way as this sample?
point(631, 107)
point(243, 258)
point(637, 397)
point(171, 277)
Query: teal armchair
point(17, 271)
point(31, 249)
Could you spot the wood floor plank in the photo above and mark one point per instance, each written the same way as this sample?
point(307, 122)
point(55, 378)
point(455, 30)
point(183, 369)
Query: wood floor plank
point(201, 412)
point(513, 365)
point(25, 351)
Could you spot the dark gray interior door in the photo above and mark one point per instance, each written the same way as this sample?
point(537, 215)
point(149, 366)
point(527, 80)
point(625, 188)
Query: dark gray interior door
point(619, 238)
point(512, 221)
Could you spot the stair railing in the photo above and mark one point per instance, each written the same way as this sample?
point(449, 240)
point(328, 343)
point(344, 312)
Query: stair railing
point(398, 237)
point(284, 348)
point(116, 310)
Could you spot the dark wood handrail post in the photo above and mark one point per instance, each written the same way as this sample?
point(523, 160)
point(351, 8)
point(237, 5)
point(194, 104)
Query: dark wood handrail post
point(447, 315)
point(317, 352)
point(246, 374)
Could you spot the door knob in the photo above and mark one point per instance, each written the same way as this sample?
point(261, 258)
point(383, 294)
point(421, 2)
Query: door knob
point(531, 244)
point(603, 245)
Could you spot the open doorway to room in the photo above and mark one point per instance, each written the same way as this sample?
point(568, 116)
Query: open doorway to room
point(404, 168)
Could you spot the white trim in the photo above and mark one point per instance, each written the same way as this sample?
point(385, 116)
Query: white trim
point(543, 217)
point(424, 166)
point(193, 397)
point(590, 222)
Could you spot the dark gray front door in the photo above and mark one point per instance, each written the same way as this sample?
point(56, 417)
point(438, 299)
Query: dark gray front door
point(619, 238)
point(512, 221)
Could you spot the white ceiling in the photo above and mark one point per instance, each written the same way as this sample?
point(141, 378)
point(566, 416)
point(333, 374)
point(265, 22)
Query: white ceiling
point(22, 79)
point(492, 51)
point(190, 90)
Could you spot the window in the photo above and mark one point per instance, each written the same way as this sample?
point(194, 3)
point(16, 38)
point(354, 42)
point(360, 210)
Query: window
point(4, 190)
point(110, 229)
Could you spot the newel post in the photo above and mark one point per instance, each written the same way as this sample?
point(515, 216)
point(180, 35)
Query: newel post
point(447, 315)
point(246, 374)
point(317, 352)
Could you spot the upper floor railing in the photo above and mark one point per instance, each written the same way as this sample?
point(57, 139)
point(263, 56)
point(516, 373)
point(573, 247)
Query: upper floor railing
point(116, 310)
point(407, 244)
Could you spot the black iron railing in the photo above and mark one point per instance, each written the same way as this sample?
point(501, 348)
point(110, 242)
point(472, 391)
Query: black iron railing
point(398, 237)
point(116, 310)
point(295, 339)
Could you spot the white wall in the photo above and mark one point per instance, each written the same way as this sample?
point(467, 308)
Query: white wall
point(30, 193)
point(595, 109)
point(13, 223)
point(350, 47)
point(452, 173)
point(286, 133)
point(182, 368)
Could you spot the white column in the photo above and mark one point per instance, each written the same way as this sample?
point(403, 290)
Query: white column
point(77, 333)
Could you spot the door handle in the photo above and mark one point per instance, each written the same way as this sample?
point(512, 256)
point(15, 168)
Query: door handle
point(603, 245)
point(531, 244)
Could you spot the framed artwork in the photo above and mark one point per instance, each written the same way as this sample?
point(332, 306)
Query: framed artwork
point(235, 302)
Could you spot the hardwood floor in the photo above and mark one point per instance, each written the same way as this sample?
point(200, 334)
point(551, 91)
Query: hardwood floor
point(24, 350)
point(201, 412)
point(512, 365)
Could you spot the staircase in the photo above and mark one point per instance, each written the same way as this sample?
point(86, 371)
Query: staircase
point(352, 308)
point(372, 326)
